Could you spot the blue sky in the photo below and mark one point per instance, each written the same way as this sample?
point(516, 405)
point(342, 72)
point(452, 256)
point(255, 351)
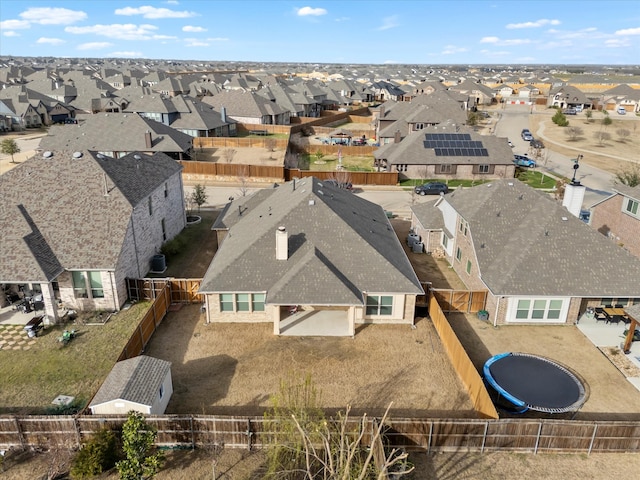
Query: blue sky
point(408, 32)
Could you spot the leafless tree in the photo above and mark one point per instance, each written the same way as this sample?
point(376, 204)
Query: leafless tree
point(60, 459)
point(602, 137)
point(228, 154)
point(270, 144)
point(574, 133)
point(244, 181)
point(623, 134)
point(629, 175)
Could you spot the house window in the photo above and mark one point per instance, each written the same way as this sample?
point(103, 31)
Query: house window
point(458, 254)
point(379, 305)
point(483, 168)
point(166, 190)
point(79, 285)
point(226, 302)
point(469, 267)
point(161, 392)
point(164, 230)
point(87, 282)
point(445, 241)
point(150, 206)
point(418, 126)
point(631, 207)
point(401, 168)
point(464, 227)
point(539, 309)
point(242, 302)
point(445, 168)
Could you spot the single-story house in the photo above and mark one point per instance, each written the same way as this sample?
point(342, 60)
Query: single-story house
point(539, 263)
point(142, 384)
point(308, 251)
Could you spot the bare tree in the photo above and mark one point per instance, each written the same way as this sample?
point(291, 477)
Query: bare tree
point(244, 181)
point(561, 185)
point(589, 114)
point(623, 134)
point(602, 137)
point(228, 154)
point(574, 133)
point(291, 160)
point(270, 144)
point(629, 175)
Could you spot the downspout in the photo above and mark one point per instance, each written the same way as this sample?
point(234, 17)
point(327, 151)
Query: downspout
point(116, 307)
point(135, 244)
point(495, 315)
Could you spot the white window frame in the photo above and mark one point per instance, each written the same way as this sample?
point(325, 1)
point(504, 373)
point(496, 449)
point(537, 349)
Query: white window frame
point(379, 305)
point(252, 302)
point(631, 207)
point(534, 305)
point(88, 290)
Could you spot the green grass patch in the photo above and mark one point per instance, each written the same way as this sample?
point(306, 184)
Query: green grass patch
point(31, 379)
point(535, 178)
point(413, 182)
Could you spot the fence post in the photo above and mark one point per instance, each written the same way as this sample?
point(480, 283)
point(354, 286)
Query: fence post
point(193, 436)
point(19, 432)
point(76, 425)
point(484, 437)
point(430, 435)
point(593, 437)
point(535, 450)
point(249, 434)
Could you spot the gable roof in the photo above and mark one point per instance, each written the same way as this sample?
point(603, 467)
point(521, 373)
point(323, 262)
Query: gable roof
point(340, 245)
point(526, 243)
point(54, 213)
point(136, 380)
point(121, 132)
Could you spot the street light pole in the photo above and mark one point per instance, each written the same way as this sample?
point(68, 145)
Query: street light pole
point(576, 166)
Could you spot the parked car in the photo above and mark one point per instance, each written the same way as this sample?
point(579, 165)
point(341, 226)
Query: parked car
point(526, 135)
point(570, 111)
point(535, 143)
point(432, 188)
point(336, 184)
point(621, 111)
point(524, 161)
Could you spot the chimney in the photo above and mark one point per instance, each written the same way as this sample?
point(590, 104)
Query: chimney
point(282, 244)
point(147, 139)
point(223, 115)
point(381, 112)
point(397, 137)
point(573, 197)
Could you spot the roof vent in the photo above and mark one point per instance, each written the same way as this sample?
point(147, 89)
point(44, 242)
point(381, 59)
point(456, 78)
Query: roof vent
point(312, 202)
point(77, 154)
point(47, 154)
point(564, 219)
point(510, 184)
point(137, 157)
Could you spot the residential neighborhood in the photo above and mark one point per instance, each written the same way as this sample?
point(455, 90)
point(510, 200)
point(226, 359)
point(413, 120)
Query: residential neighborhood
point(259, 219)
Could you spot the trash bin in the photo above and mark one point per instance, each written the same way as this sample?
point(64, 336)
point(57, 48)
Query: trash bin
point(483, 315)
point(33, 326)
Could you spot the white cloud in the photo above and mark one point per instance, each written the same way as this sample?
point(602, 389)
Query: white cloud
point(53, 16)
point(538, 23)
point(10, 33)
point(125, 54)
point(191, 28)
point(306, 11)
point(14, 25)
point(490, 53)
point(389, 22)
point(194, 42)
point(489, 40)
point(153, 12)
point(628, 31)
point(94, 45)
point(617, 43)
point(452, 49)
point(127, 31)
point(50, 41)
point(217, 39)
point(173, 2)
point(516, 41)
point(342, 19)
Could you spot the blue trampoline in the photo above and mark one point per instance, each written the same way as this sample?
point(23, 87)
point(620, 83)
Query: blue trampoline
point(536, 383)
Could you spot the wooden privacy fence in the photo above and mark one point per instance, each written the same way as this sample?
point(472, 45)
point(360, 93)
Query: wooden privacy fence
point(359, 151)
point(463, 301)
point(231, 170)
point(421, 434)
point(181, 290)
point(461, 362)
point(357, 178)
point(241, 142)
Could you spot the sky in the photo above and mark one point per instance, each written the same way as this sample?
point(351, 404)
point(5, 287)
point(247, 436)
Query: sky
point(361, 32)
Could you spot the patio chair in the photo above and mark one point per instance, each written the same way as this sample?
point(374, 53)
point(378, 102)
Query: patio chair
point(614, 319)
point(600, 315)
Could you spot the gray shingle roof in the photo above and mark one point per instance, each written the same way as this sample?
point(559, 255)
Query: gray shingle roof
point(54, 213)
point(534, 246)
point(136, 380)
point(122, 132)
point(339, 246)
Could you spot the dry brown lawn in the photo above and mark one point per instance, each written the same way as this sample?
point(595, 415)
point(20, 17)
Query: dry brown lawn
point(613, 155)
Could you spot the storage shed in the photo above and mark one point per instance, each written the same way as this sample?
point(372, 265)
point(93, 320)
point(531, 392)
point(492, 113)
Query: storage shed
point(142, 384)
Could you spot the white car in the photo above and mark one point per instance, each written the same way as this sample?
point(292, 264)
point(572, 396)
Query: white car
point(621, 111)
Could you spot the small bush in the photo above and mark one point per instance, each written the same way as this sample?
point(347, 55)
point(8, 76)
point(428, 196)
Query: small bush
point(173, 246)
point(98, 455)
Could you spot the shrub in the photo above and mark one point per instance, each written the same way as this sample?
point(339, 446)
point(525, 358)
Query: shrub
point(97, 456)
point(560, 119)
point(173, 246)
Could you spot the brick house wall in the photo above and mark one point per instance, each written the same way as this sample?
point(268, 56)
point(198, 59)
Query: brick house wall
point(608, 218)
point(463, 172)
